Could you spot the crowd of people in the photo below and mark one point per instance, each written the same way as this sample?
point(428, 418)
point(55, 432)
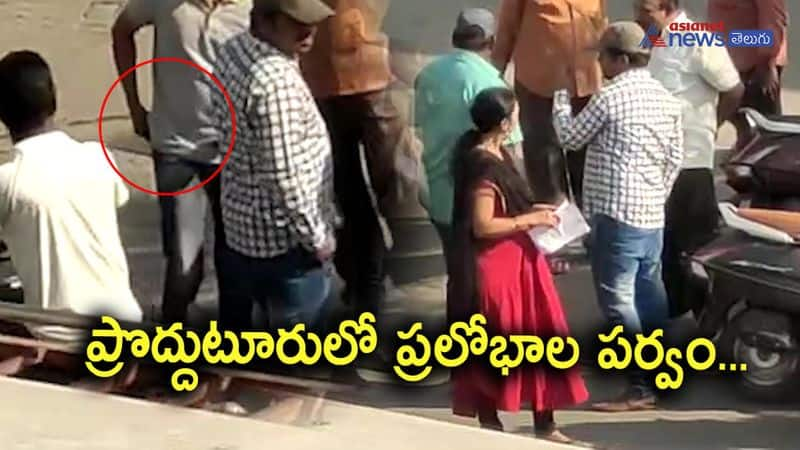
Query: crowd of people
point(624, 130)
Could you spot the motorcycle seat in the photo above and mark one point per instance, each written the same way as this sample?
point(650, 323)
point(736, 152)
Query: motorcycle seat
point(774, 126)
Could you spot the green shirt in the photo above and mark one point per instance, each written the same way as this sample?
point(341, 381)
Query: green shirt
point(444, 92)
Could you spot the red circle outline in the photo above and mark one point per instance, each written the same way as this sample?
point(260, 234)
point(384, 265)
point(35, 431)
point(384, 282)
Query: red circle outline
point(230, 107)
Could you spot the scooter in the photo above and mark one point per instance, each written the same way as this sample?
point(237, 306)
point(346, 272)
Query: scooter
point(749, 275)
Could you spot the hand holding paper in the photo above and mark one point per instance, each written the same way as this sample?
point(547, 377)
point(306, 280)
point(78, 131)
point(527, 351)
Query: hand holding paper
point(571, 227)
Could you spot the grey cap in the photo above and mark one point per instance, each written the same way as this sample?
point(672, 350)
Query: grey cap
point(477, 17)
point(624, 36)
point(309, 12)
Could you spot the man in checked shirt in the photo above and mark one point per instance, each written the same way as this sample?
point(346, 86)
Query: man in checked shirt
point(633, 131)
point(277, 188)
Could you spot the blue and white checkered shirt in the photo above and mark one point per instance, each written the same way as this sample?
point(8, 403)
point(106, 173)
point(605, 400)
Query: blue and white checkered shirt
point(277, 188)
point(632, 128)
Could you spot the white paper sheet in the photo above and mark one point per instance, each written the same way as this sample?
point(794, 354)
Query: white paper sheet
point(571, 228)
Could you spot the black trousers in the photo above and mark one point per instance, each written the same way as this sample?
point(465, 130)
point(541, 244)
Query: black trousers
point(369, 120)
point(754, 96)
point(183, 233)
point(545, 162)
point(692, 219)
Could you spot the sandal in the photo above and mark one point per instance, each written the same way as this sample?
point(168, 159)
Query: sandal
point(559, 438)
point(558, 266)
point(493, 426)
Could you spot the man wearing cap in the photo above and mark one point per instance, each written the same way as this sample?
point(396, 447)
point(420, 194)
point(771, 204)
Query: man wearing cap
point(708, 85)
point(547, 40)
point(443, 94)
point(633, 131)
point(185, 146)
point(277, 190)
point(349, 74)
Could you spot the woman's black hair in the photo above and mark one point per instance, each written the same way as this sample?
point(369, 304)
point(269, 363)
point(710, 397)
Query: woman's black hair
point(471, 167)
point(489, 109)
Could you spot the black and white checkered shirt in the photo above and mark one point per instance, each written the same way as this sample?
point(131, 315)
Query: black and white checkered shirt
point(635, 147)
point(277, 187)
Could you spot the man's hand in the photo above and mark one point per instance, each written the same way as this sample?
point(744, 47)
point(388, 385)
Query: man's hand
point(140, 125)
point(326, 252)
point(767, 77)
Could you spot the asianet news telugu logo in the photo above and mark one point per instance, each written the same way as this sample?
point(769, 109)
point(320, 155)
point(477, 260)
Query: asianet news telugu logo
point(705, 34)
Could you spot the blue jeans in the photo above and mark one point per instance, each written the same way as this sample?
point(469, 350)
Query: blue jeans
point(626, 266)
point(292, 288)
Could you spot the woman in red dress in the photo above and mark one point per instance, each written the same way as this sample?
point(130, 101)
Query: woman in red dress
point(503, 276)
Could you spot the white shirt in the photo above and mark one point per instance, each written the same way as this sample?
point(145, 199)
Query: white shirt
point(58, 215)
point(696, 76)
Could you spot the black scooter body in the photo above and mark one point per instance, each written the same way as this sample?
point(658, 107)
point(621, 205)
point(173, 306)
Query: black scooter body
point(750, 302)
point(761, 285)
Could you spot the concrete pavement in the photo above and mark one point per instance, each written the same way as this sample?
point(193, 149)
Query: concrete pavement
point(68, 419)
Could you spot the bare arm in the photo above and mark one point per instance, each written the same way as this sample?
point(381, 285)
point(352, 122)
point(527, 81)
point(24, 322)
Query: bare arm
point(124, 47)
point(729, 103)
point(576, 132)
point(486, 226)
point(508, 22)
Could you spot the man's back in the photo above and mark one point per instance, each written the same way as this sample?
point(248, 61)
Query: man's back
point(750, 15)
point(695, 76)
point(633, 131)
point(58, 205)
point(351, 53)
point(547, 36)
point(444, 93)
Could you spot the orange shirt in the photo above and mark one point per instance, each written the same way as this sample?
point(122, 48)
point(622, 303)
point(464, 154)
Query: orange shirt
point(545, 37)
point(350, 54)
point(749, 15)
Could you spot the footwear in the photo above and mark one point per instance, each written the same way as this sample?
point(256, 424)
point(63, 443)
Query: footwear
point(376, 368)
point(554, 436)
point(493, 426)
point(558, 437)
point(631, 401)
point(558, 266)
point(489, 420)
